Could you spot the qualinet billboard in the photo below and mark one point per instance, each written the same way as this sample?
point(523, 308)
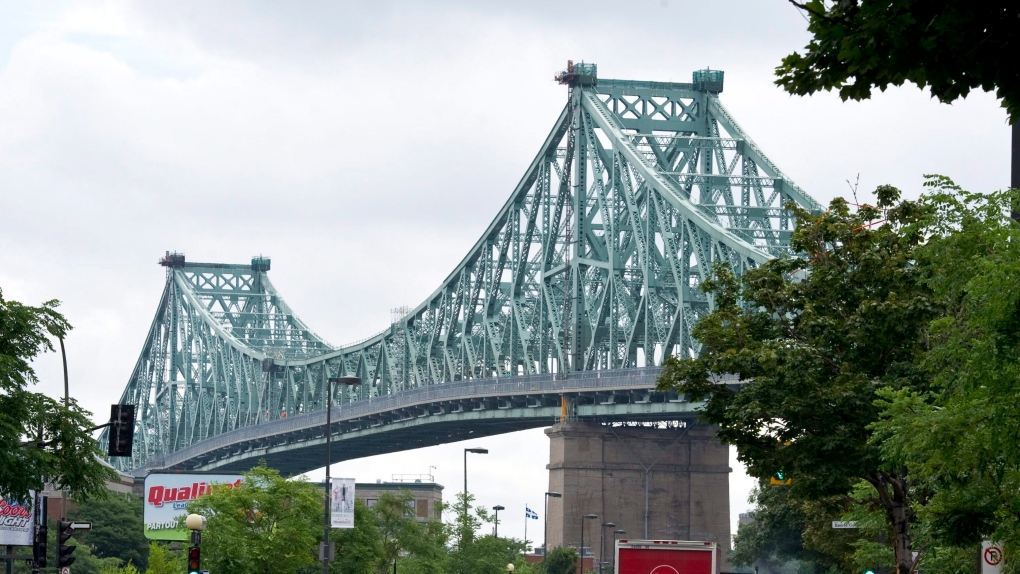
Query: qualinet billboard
point(167, 496)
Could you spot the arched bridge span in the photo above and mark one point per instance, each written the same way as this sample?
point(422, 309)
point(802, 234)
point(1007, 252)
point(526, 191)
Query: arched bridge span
point(590, 268)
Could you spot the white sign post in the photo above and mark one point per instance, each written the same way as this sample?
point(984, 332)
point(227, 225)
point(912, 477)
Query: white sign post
point(991, 557)
point(341, 502)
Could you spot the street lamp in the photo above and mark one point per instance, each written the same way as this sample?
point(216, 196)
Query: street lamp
point(350, 382)
point(497, 508)
point(545, 535)
point(602, 542)
point(472, 451)
point(615, 534)
point(589, 517)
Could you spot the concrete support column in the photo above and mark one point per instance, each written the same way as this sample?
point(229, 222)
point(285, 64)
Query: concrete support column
point(683, 472)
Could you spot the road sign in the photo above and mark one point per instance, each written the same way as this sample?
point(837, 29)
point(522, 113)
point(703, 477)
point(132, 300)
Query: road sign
point(65, 570)
point(991, 558)
point(844, 524)
point(81, 525)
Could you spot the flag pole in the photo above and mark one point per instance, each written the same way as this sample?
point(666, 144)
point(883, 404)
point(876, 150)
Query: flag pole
point(527, 516)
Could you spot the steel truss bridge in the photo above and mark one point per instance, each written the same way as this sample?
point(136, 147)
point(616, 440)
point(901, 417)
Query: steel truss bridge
point(584, 281)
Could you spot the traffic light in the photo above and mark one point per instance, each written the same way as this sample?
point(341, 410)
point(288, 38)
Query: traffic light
point(194, 560)
point(39, 546)
point(780, 478)
point(64, 551)
point(122, 430)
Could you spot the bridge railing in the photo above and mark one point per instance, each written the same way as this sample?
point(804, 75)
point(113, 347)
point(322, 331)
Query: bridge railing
point(616, 379)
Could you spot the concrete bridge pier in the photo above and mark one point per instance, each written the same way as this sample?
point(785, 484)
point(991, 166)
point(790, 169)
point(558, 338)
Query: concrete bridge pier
point(655, 483)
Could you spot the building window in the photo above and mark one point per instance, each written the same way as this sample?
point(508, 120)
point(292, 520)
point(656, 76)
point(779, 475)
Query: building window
point(371, 502)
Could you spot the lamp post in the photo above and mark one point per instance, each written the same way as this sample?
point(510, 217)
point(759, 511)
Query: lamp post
point(497, 508)
point(583, 518)
point(63, 491)
point(472, 451)
point(545, 535)
point(350, 382)
point(602, 542)
point(615, 534)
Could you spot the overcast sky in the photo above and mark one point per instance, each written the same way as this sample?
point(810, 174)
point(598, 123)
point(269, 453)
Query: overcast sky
point(364, 147)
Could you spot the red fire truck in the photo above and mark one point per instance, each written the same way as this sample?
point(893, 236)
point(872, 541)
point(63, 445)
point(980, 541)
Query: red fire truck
point(665, 557)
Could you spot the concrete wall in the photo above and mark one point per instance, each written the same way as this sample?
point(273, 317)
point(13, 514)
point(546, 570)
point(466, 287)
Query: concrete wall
point(603, 470)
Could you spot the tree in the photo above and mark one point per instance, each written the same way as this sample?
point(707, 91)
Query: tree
point(268, 524)
point(784, 529)
point(813, 338)
point(959, 438)
point(489, 555)
point(948, 46)
point(116, 528)
point(39, 436)
point(164, 561)
point(560, 560)
point(359, 550)
point(473, 554)
point(422, 543)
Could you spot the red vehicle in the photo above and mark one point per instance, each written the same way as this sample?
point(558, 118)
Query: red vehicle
point(665, 557)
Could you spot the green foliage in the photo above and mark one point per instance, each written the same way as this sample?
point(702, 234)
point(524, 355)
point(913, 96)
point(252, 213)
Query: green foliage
point(358, 550)
point(959, 438)
point(949, 46)
point(268, 524)
point(882, 374)
point(560, 560)
point(67, 453)
point(163, 561)
point(473, 554)
point(422, 544)
point(116, 528)
point(126, 569)
point(489, 555)
point(813, 338)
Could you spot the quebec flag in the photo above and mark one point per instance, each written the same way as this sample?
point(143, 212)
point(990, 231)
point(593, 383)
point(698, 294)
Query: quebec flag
point(529, 513)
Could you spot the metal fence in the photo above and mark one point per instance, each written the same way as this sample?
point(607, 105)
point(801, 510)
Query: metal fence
point(607, 380)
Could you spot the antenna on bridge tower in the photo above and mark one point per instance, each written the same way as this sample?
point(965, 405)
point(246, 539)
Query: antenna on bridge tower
point(172, 260)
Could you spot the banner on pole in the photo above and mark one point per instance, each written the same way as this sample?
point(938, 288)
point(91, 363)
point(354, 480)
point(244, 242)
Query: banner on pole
point(341, 502)
point(17, 522)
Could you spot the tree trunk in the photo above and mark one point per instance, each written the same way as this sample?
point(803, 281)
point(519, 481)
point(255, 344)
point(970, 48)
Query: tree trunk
point(893, 493)
point(902, 540)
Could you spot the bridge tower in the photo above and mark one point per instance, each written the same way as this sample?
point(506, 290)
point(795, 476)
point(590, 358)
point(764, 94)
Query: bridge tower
point(660, 482)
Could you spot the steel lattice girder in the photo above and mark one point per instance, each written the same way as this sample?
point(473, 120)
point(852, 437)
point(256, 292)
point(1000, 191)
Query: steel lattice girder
point(594, 262)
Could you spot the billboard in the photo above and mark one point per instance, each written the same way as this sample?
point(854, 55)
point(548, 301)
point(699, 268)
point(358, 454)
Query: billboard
point(167, 496)
point(341, 502)
point(17, 522)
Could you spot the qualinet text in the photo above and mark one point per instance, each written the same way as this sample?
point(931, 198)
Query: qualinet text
point(160, 494)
